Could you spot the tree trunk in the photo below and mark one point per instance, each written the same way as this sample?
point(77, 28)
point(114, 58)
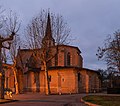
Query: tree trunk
point(16, 80)
point(47, 84)
point(2, 78)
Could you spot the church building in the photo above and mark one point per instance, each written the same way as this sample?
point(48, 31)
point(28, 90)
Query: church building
point(65, 70)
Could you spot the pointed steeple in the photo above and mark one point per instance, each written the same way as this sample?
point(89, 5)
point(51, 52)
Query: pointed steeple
point(48, 32)
point(48, 39)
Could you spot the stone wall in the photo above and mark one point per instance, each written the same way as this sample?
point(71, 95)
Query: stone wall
point(65, 80)
point(62, 81)
point(90, 81)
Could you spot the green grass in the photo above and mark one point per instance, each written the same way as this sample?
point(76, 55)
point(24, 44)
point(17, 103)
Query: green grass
point(103, 100)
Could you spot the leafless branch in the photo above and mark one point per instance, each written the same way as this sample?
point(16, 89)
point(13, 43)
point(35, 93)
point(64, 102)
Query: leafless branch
point(111, 51)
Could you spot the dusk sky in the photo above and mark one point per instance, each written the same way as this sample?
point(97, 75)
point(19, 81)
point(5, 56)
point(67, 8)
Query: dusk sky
point(90, 21)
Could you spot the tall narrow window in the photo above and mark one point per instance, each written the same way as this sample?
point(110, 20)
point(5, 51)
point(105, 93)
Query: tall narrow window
point(49, 64)
point(68, 59)
point(56, 60)
point(49, 77)
point(78, 76)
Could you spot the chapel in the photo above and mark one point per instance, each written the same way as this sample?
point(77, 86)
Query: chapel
point(65, 69)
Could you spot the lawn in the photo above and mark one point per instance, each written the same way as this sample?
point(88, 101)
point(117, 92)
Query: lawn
point(103, 100)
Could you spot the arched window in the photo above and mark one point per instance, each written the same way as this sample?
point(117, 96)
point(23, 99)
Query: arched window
point(68, 59)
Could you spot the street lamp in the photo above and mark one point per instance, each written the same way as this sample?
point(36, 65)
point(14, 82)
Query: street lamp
point(2, 74)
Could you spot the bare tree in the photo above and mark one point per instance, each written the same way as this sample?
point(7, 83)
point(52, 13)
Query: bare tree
point(40, 28)
point(5, 42)
point(12, 24)
point(2, 73)
point(35, 30)
point(111, 51)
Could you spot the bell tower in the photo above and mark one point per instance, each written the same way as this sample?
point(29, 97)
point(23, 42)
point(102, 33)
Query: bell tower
point(48, 40)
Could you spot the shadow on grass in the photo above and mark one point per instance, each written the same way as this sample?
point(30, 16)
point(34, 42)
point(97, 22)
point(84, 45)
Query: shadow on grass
point(103, 100)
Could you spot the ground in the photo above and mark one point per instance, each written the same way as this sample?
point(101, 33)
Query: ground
point(36, 99)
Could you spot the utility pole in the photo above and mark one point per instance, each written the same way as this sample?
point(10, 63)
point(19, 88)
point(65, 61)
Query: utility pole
point(2, 73)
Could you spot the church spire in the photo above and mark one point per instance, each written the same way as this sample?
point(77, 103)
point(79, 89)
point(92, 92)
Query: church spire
point(48, 32)
point(48, 39)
